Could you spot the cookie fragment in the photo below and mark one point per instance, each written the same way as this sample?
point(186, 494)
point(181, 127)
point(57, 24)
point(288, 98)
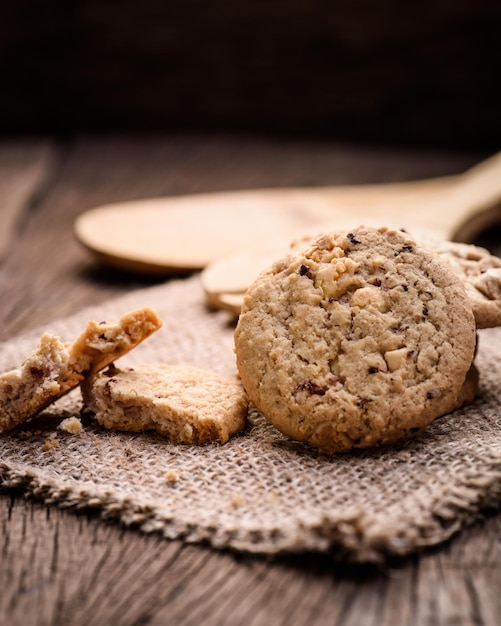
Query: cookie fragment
point(188, 405)
point(360, 340)
point(103, 343)
point(44, 375)
point(54, 367)
point(71, 425)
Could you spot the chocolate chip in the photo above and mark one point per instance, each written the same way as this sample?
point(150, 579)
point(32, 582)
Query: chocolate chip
point(406, 248)
point(353, 239)
point(312, 388)
point(304, 269)
point(111, 370)
point(373, 370)
point(36, 372)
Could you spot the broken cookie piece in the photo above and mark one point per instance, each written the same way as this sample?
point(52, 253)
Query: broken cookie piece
point(102, 344)
point(54, 367)
point(44, 375)
point(186, 404)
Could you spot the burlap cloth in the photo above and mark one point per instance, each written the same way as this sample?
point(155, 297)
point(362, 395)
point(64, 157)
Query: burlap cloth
point(260, 492)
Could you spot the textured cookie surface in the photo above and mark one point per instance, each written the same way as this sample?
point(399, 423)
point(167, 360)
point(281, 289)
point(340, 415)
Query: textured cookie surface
point(480, 272)
point(362, 339)
point(187, 404)
point(53, 368)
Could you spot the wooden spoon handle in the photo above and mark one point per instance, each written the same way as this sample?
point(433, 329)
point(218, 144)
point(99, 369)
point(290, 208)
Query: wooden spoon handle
point(477, 200)
point(455, 208)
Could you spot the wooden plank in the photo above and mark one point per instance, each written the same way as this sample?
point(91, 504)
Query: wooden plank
point(77, 570)
point(60, 567)
point(25, 167)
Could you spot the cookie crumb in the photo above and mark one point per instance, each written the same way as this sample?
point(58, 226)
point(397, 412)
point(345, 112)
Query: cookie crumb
point(171, 476)
point(49, 444)
point(71, 425)
point(25, 434)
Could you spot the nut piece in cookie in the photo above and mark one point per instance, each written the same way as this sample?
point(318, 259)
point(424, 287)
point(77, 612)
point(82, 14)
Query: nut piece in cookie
point(54, 368)
point(186, 404)
point(360, 340)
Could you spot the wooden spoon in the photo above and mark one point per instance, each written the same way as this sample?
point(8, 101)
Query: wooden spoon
point(186, 233)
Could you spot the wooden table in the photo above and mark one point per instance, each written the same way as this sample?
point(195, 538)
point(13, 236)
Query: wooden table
point(58, 567)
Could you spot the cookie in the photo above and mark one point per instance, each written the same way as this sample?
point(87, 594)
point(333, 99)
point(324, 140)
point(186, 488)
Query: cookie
point(480, 272)
point(54, 367)
point(360, 340)
point(188, 405)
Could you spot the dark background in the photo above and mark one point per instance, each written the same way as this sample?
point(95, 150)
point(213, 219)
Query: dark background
point(415, 73)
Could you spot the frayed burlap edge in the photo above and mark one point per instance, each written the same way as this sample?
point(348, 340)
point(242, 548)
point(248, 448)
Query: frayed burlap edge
point(357, 538)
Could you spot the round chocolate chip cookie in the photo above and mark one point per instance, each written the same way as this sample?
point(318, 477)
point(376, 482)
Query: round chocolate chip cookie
point(360, 340)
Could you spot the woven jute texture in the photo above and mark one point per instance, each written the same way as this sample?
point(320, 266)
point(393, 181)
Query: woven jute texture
point(261, 492)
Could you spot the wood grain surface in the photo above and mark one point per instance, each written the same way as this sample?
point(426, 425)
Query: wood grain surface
point(61, 567)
